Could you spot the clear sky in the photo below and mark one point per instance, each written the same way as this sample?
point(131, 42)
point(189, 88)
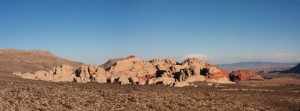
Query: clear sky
point(93, 31)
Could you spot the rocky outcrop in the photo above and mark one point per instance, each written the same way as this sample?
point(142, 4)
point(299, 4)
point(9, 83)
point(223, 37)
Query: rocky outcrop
point(241, 75)
point(217, 73)
point(62, 73)
point(132, 70)
point(196, 78)
point(83, 74)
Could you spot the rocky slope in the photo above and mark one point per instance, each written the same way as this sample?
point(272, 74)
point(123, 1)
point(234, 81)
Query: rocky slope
point(30, 61)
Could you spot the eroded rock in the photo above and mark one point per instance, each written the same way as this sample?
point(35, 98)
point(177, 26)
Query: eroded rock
point(244, 75)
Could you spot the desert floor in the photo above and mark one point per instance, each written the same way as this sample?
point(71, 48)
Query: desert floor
point(23, 94)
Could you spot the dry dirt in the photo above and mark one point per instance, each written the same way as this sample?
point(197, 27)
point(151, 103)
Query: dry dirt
point(272, 82)
point(22, 94)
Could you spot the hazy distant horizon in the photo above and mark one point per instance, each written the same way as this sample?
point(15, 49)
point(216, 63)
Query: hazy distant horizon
point(219, 31)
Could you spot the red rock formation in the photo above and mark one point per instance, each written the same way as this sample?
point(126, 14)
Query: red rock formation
point(244, 75)
point(217, 73)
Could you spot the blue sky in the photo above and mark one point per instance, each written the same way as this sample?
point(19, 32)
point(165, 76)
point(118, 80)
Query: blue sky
point(93, 31)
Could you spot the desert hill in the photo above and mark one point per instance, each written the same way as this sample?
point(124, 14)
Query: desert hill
point(30, 60)
point(295, 69)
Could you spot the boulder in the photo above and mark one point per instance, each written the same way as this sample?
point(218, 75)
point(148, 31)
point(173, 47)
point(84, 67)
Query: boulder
point(134, 80)
point(165, 80)
point(151, 81)
point(142, 82)
point(100, 70)
point(162, 67)
point(63, 73)
point(181, 84)
point(124, 65)
point(101, 78)
point(83, 73)
point(63, 70)
point(77, 79)
point(112, 79)
point(123, 80)
point(177, 68)
point(92, 69)
point(195, 78)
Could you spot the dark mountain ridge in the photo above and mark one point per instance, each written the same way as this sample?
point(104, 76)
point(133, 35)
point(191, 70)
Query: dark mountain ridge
point(257, 66)
point(295, 69)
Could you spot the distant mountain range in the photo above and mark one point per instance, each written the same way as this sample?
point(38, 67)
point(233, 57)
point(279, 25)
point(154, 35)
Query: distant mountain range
point(257, 66)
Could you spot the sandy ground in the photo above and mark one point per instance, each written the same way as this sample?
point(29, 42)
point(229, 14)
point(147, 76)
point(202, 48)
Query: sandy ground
point(22, 94)
point(272, 82)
